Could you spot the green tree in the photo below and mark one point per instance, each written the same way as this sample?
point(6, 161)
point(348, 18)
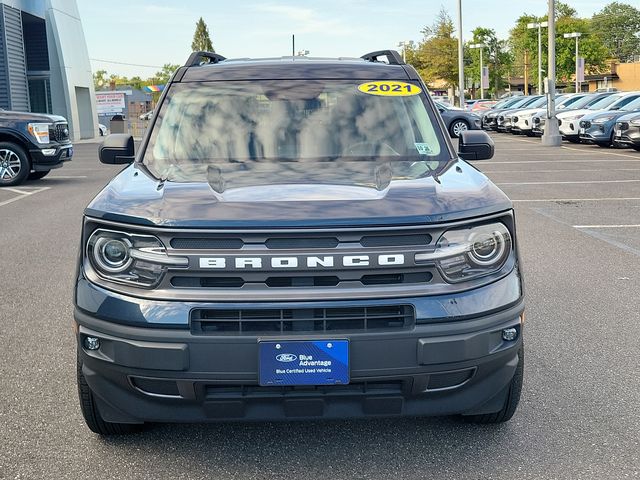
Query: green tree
point(201, 40)
point(100, 79)
point(436, 56)
point(523, 40)
point(496, 56)
point(162, 77)
point(618, 27)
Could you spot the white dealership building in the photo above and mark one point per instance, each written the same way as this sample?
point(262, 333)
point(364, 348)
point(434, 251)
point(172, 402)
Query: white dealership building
point(44, 62)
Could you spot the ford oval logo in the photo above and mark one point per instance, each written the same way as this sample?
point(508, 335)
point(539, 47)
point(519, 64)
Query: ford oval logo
point(286, 357)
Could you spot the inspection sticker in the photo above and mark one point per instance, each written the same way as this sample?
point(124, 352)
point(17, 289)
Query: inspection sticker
point(423, 148)
point(389, 88)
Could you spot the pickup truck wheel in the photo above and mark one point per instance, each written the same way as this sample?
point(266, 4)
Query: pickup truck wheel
point(91, 413)
point(14, 164)
point(38, 175)
point(511, 403)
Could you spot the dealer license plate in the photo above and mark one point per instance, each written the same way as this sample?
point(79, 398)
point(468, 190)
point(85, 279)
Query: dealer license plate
point(312, 362)
point(618, 133)
point(582, 130)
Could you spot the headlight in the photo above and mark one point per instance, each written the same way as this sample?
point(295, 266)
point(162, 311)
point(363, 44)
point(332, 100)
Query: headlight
point(635, 122)
point(572, 118)
point(602, 119)
point(40, 131)
point(468, 253)
point(129, 258)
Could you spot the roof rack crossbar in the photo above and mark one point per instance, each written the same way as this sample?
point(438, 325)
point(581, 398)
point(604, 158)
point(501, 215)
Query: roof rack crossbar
point(393, 57)
point(195, 59)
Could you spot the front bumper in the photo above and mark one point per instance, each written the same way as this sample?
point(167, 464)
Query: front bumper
point(162, 374)
point(627, 134)
point(596, 133)
point(42, 159)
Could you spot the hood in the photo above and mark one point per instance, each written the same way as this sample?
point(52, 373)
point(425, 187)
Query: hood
point(575, 113)
point(629, 117)
point(459, 192)
point(613, 114)
point(527, 111)
point(31, 117)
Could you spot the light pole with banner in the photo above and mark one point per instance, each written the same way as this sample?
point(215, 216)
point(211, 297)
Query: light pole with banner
point(551, 136)
point(539, 26)
point(460, 56)
point(481, 46)
point(576, 35)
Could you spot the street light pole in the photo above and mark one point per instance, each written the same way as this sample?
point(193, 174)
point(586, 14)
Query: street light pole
point(539, 26)
point(575, 35)
point(551, 136)
point(481, 46)
point(404, 44)
point(460, 56)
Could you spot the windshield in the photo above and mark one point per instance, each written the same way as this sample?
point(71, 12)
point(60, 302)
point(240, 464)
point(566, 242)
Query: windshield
point(275, 129)
point(632, 105)
point(540, 102)
point(569, 101)
point(605, 102)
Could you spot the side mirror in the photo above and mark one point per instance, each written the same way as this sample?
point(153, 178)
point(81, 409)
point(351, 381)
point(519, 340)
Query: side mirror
point(117, 148)
point(475, 145)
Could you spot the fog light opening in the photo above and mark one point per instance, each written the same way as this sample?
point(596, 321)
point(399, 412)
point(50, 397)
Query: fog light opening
point(93, 343)
point(509, 334)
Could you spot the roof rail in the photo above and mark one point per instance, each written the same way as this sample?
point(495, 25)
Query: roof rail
point(196, 59)
point(393, 57)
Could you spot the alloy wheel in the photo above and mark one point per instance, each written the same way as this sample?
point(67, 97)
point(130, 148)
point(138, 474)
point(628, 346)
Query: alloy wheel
point(10, 164)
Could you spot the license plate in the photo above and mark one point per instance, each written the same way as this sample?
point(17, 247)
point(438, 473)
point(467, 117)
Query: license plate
point(618, 133)
point(308, 362)
point(582, 130)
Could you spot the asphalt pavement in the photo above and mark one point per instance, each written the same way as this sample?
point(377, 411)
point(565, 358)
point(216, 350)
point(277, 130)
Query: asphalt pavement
point(578, 215)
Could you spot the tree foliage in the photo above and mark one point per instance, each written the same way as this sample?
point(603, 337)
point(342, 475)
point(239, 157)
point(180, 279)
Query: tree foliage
point(496, 56)
point(523, 39)
point(201, 40)
point(617, 25)
point(436, 56)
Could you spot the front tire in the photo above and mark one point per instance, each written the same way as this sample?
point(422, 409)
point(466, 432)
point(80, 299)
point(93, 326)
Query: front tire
point(510, 404)
point(91, 414)
point(38, 175)
point(457, 127)
point(14, 164)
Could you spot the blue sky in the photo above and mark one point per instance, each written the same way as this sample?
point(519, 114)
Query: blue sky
point(155, 32)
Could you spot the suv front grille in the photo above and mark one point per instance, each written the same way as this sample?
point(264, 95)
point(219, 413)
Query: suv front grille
point(59, 132)
point(304, 320)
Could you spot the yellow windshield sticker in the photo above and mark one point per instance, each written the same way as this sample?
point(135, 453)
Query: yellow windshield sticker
point(389, 88)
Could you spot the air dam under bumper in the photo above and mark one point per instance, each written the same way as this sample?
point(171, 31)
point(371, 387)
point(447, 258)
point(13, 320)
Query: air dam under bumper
point(169, 375)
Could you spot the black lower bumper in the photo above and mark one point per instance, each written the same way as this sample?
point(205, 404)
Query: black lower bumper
point(169, 375)
point(61, 153)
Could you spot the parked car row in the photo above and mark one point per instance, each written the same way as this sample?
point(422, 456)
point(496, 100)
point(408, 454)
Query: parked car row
point(606, 119)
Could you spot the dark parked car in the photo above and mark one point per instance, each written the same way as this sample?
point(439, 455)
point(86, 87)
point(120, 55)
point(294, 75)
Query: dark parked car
point(297, 240)
point(458, 120)
point(490, 117)
point(31, 145)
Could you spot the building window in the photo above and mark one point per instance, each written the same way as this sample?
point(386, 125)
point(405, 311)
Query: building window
point(40, 95)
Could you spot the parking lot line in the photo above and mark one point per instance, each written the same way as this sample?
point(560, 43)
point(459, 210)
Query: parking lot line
point(21, 193)
point(602, 153)
point(607, 226)
point(604, 199)
point(561, 170)
point(568, 182)
point(556, 161)
point(68, 176)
